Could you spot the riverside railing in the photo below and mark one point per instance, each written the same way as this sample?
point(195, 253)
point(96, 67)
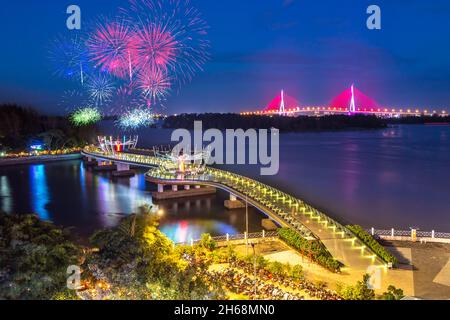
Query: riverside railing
point(411, 235)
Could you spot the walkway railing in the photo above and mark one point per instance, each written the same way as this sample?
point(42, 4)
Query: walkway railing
point(235, 237)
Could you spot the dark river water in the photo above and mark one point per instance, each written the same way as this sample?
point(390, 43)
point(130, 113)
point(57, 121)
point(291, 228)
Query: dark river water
point(397, 177)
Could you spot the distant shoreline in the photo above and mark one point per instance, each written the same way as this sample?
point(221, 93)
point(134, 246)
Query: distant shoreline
point(39, 159)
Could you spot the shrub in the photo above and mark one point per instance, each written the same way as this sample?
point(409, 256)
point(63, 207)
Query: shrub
point(373, 244)
point(315, 249)
point(208, 242)
point(297, 272)
point(277, 268)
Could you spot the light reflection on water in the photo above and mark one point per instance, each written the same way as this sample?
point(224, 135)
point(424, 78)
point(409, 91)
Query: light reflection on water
point(5, 192)
point(187, 230)
point(39, 191)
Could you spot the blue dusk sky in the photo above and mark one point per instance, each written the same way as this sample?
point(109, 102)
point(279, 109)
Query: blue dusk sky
point(312, 49)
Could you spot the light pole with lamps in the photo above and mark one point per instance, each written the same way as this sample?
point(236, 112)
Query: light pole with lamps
point(254, 266)
point(246, 224)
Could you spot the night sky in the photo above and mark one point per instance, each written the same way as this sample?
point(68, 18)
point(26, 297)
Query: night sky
point(312, 49)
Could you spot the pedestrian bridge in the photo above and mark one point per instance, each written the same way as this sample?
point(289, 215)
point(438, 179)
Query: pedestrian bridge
point(285, 209)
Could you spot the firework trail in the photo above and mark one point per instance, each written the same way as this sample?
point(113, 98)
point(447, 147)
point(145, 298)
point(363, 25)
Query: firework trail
point(109, 47)
point(100, 89)
point(70, 57)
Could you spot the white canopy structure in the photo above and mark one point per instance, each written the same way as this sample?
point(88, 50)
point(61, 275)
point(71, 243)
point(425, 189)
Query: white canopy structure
point(112, 145)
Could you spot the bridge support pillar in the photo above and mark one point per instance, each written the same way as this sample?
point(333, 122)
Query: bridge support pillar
point(123, 170)
point(234, 203)
point(160, 188)
point(122, 167)
point(197, 187)
point(174, 188)
point(187, 187)
point(90, 162)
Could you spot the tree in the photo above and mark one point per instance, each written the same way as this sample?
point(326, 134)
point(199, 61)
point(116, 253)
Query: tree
point(138, 258)
point(392, 294)
point(360, 291)
point(34, 256)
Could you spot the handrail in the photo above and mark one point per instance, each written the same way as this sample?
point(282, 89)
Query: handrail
point(234, 237)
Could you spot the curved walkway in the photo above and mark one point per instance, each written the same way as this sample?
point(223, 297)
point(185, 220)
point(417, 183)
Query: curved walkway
point(282, 207)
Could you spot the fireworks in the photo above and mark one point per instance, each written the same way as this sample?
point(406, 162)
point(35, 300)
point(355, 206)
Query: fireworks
point(109, 48)
point(126, 97)
point(135, 119)
point(170, 35)
point(100, 89)
point(155, 84)
point(153, 47)
point(136, 59)
point(85, 116)
point(69, 56)
point(72, 98)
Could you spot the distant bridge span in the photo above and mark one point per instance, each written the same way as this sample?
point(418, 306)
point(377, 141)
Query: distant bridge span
point(285, 209)
point(351, 101)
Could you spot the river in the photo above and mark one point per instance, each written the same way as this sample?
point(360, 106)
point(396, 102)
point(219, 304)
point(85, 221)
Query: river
point(397, 177)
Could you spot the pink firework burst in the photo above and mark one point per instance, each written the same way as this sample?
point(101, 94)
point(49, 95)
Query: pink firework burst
point(170, 34)
point(109, 48)
point(155, 84)
point(153, 47)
